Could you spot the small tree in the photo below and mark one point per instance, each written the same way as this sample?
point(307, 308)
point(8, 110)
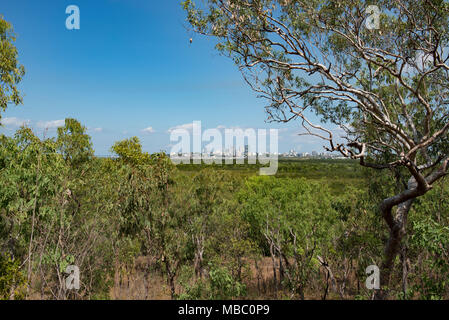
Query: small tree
point(153, 207)
point(11, 72)
point(74, 143)
point(295, 231)
point(384, 85)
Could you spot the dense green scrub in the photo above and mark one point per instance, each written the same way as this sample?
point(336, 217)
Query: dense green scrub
point(337, 174)
point(206, 230)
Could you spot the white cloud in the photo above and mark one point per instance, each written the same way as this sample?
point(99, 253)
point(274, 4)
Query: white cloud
point(51, 124)
point(95, 129)
point(14, 122)
point(187, 126)
point(148, 130)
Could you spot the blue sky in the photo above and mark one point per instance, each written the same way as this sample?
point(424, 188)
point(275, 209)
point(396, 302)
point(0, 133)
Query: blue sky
point(130, 67)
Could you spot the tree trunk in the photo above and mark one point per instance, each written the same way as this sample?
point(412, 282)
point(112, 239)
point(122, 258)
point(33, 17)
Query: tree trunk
point(281, 269)
point(171, 273)
point(405, 270)
point(172, 287)
point(198, 260)
point(301, 292)
point(273, 260)
point(392, 248)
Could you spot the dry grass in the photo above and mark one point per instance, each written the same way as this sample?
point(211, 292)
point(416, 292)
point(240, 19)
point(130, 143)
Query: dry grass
point(135, 285)
point(142, 281)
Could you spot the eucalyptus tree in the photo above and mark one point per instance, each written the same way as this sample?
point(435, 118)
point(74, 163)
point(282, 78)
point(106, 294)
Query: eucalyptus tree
point(286, 216)
point(30, 181)
point(153, 207)
point(11, 71)
point(74, 143)
point(375, 71)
